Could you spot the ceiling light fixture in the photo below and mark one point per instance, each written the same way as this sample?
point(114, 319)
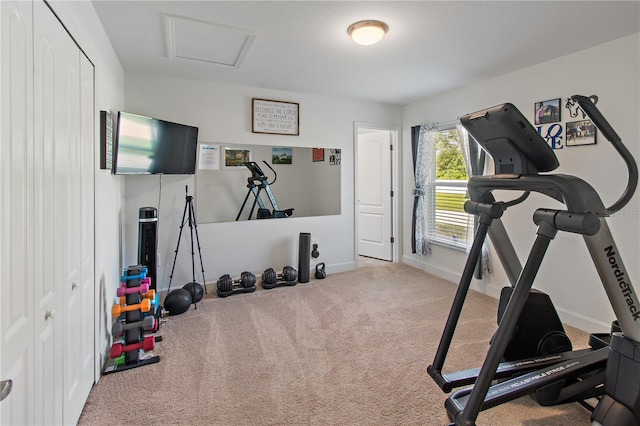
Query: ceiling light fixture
point(367, 32)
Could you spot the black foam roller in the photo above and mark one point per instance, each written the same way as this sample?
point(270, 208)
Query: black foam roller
point(304, 257)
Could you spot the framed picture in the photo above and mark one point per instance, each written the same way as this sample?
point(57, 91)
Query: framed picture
point(106, 140)
point(281, 155)
point(275, 117)
point(234, 157)
point(581, 132)
point(547, 111)
point(318, 154)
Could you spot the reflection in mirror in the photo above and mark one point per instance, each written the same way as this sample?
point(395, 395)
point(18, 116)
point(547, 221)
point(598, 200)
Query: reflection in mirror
point(289, 181)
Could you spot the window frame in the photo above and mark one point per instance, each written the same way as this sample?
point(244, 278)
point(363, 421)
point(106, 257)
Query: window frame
point(432, 211)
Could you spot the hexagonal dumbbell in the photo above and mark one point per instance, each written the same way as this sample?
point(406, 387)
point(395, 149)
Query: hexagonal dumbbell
point(117, 349)
point(143, 306)
point(149, 323)
point(142, 289)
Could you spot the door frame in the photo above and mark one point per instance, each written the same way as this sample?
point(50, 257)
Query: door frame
point(396, 184)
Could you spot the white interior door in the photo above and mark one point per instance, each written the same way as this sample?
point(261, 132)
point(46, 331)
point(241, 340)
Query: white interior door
point(46, 218)
point(16, 266)
point(374, 194)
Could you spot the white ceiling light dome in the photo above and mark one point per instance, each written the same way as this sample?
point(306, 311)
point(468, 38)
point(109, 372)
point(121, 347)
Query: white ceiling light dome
point(367, 32)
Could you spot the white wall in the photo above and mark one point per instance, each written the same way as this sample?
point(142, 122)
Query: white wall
point(223, 115)
point(610, 71)
point(82, 22)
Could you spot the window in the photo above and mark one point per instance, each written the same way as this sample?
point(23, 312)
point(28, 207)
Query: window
point(448, 224)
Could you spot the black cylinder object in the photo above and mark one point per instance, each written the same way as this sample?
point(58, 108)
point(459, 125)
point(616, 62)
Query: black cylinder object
point(304, 257)
point(148, 241)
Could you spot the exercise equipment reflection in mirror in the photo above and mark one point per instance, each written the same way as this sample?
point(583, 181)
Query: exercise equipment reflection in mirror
point(256, 183)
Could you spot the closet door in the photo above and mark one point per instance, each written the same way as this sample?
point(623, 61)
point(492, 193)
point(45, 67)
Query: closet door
point(56, 136)
point(16, 265)
point(79, 298)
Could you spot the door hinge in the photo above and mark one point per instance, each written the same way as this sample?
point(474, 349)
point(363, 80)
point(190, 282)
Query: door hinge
point(391, 147)
point(393, 240)
point(392, 193)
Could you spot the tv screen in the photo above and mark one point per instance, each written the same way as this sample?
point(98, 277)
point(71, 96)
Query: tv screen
point(145, 145)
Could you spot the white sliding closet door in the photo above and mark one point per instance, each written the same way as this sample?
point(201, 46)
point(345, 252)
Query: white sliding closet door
point(47, 184)
point(16, 168)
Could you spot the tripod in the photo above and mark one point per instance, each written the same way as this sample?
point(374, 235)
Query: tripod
point(193, 227)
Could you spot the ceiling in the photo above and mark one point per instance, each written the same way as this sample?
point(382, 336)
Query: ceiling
point(302, 46)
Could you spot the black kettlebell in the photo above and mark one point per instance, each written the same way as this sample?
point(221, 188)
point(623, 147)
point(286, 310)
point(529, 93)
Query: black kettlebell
point(320, 272)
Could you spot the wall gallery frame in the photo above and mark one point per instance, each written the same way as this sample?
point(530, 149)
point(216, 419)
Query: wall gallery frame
point(275, 117)
point(581, 132)
point(234, 157)
point(318, 154)
point(547, 111)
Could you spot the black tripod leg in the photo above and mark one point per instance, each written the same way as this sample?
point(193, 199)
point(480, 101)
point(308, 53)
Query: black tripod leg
point(195, 225)
point(193, 265)
point(184, 214)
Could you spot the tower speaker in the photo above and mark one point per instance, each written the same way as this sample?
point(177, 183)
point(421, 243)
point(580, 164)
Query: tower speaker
point(148, 241)
point(304, 257)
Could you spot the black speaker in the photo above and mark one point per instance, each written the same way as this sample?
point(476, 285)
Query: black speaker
point(304, 257)
point(148, 241)
point(539, 330)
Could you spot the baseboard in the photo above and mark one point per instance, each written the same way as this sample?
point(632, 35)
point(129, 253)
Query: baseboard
point(581, 322)
point(427, 267)
point(339, 267)
point(333, 268)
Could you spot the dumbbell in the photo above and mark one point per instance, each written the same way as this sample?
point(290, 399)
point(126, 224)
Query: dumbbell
point(146, 345)
point(141, 276)
point(148, 324)
point(246, 280)
point(269, 276)
point(118, 309)
point(142, 289)
point(151, 295)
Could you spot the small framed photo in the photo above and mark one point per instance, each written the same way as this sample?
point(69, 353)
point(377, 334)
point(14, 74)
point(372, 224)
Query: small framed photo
point(547, 111)
point(318, 154)
point(234, 157)
point(281, 155)
point(581, 132)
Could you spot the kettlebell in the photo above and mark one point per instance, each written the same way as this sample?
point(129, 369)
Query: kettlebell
point(320, 272)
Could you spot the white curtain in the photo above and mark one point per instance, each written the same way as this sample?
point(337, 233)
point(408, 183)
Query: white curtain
point(474, 163)
point(424, 192)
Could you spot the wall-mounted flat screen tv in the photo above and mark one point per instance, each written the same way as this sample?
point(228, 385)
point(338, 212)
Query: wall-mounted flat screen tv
point(145, 145)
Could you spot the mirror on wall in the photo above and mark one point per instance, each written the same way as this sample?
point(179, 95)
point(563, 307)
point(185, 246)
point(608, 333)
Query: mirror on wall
point(300, 182)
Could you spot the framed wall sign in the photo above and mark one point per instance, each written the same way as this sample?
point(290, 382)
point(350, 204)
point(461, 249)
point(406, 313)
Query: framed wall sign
point(275, 117)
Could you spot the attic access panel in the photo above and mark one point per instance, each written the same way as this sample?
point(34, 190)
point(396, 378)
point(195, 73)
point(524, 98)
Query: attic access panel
point(206, 41)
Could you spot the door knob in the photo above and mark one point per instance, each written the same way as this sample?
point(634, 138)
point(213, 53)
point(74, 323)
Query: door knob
point(48, 315)
point(74, 285)
point(5, 388)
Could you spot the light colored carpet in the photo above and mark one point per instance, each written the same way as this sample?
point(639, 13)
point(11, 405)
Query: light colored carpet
point(352, 349)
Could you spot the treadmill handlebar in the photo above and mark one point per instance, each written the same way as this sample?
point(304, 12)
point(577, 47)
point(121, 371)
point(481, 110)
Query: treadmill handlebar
point(588, 105)
point(256, 171)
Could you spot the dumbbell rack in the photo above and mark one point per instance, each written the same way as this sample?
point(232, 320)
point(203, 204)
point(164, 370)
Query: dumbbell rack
point(136, 304)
